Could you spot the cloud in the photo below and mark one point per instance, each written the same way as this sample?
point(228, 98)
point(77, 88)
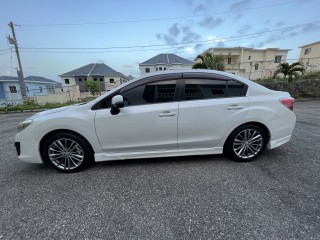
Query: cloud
point(128, 66)
point(310, 27)
point(239, 5)
point(189, 50)
point(244, 29)
point(279, 24)
point(189, 36)
point(199, 8)
point(174, 30)
point(210, 22)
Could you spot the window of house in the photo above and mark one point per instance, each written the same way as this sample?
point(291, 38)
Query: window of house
point(277, 59)
point(101, 79)
point(256, 66)
point(13, 89)
point(147, 70)
point(40, 89)
point(111, 80)
point(66, 81)
point(79, 79)
point(156, 69)
point(157, 92)
point(160, 68)
point(27, 89)
point(307, 51)
point(229, 60)
point(249, 57)
point(164, 69)
point(95, 79)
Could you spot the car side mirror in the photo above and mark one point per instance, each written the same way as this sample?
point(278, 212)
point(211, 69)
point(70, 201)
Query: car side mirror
point(117, 103)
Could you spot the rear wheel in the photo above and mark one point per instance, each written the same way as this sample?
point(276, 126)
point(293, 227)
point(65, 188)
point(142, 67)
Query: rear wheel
point(246, 143)
point(67, 152)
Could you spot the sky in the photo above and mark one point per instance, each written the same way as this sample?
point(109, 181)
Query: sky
point(58, 36)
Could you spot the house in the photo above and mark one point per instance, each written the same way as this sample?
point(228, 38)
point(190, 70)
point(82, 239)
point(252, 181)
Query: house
point(35, 86)
point(250, 62)
point(105, 75)
point(164, 61)
point(310, 56)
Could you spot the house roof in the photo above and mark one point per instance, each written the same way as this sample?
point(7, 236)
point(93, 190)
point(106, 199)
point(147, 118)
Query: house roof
point(166, 58)
point(309, 44)
point(93, 69)
point(29, 79)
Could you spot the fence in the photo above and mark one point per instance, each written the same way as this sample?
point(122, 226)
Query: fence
point(45, 95)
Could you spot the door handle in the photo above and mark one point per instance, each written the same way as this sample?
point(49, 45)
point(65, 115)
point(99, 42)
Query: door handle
point(167, 114)
point(235, 107)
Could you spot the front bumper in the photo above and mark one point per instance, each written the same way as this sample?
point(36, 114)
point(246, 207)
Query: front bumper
point(29, 148)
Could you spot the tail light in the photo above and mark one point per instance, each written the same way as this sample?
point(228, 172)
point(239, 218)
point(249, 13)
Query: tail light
point(288, 102)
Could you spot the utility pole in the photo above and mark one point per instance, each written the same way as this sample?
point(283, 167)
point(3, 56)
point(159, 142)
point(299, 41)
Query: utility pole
point(20, 72)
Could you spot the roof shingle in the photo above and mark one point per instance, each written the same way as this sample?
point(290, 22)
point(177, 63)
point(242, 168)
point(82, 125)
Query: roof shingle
point(167, 58)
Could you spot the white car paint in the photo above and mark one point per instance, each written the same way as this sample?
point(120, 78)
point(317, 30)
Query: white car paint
point(166, 129)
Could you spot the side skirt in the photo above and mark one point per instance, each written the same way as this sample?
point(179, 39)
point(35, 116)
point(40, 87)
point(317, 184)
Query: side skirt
point(100, 157)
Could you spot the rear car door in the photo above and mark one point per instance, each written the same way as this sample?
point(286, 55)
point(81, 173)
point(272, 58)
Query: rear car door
point(210, 105)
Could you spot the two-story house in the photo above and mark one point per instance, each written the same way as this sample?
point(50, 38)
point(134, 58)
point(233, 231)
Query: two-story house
point(310, 56)
point(107, 77)
point(251, 63)
point(164, 61)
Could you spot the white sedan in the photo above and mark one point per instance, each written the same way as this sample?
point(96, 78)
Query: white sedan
point(172, 113)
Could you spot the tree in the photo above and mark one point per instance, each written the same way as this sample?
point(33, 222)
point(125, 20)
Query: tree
point(93, 86)
point(209, 61)
point(294, 70)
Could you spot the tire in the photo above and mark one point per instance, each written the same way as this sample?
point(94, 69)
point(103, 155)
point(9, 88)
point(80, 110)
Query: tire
point(246, 143)
point(67, 152)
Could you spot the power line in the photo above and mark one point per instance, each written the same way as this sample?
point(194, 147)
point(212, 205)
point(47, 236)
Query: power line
point(174, 44)
point(154, 19)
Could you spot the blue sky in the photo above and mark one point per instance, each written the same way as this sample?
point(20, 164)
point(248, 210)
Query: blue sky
point(49, 31)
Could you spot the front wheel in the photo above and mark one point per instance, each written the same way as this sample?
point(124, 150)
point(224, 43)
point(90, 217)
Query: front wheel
point(246, 143)
point(67, 152)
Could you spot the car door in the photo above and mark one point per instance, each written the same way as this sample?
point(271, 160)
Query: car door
point(210, 106)
point(147, 122)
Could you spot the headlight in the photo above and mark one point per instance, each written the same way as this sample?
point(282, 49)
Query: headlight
point(24, 124)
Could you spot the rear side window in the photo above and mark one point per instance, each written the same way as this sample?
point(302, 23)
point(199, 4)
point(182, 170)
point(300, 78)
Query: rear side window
point(205, 89)
point(197, 89)
point(236, 89)
point(157, 92)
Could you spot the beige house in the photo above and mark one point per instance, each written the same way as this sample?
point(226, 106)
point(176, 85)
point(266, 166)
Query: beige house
point(251, 63)
point(310, 56)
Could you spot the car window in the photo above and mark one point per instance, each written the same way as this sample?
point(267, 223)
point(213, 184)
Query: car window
point(235, 89)
point(156, 92)
point(205, 89)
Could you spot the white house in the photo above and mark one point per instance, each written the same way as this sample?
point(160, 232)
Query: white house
point(105, 75)
point(164, 61)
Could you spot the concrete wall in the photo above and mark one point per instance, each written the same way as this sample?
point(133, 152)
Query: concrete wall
point(164, 67)
point(68, 94)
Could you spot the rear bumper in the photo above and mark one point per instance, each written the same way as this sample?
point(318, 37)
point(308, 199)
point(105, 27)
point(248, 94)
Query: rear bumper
point(278, 142)
point(28, 148)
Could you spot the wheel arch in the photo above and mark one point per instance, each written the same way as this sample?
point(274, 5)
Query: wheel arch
point(259, 124)
point(45, 137)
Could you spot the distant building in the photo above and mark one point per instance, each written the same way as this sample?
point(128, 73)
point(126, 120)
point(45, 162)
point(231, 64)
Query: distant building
point(35, 86)
point(164, 61)
point(250, 62)
point(310, 56)
point(105, 75)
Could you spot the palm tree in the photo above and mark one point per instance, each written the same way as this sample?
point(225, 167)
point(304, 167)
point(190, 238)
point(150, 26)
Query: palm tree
point(294, 70)
point(209, 61)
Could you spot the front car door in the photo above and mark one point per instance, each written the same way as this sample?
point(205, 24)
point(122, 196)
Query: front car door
point(148, 121)
point(210, 105)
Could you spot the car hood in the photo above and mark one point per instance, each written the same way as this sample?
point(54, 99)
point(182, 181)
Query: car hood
point(47, 112)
